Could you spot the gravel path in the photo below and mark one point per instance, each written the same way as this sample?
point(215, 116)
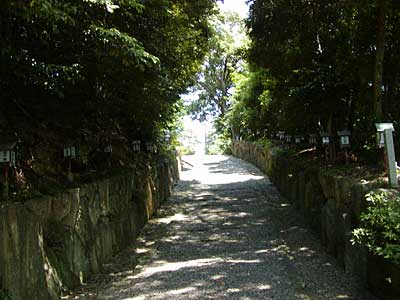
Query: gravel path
point(224, 234)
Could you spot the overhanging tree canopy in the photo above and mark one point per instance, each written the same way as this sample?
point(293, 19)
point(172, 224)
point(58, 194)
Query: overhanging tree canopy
point(85, 69)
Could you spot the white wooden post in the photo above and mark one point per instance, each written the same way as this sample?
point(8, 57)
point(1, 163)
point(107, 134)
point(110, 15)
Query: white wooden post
point(389, 147)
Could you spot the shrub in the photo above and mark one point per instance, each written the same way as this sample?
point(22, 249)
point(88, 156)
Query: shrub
point(264, 142)
point(379, 229)
point(5, 295)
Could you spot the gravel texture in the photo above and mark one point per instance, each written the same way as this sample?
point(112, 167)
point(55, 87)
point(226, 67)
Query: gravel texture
point(224, 234)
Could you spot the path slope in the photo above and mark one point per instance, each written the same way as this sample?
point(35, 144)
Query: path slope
point(224, 234)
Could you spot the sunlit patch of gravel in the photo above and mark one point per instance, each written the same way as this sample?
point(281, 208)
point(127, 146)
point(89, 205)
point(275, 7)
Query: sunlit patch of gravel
point(224, 234)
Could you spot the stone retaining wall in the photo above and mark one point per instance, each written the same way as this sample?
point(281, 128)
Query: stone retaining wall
point(332, 206)
point(56, 242)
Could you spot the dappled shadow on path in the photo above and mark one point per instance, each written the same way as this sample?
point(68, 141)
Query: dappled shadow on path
point(223, 236)
point(228, 166)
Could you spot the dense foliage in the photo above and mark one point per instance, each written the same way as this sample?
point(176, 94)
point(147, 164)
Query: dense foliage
point(215, 80)
point(379, 230)
point(211, 96)
point(84, 72)
point(320, 66)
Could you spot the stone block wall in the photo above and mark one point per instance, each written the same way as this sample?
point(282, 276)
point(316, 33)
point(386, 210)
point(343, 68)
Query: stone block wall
point(332, 206)
point(57, 242)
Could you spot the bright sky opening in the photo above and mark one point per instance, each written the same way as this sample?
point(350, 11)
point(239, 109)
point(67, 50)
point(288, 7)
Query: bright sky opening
point(195, 132)
point(238, 6)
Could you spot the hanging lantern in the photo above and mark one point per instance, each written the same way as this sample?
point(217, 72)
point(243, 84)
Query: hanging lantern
point(312, 139)
point(149, 147)
point(8, 153)
point(136, 146)
point(380, 128)
point(344, 138)
point(70, 152)
point(281, 135)
point(326, 138)
point(108, 149)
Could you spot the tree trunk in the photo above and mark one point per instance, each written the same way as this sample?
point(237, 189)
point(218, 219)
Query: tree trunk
point(380, 54)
